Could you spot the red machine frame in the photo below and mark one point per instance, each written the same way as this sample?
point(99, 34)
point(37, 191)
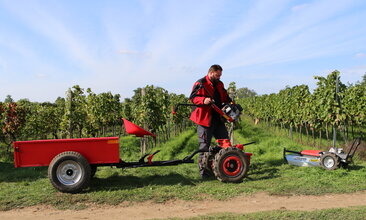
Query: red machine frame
point(72, 162)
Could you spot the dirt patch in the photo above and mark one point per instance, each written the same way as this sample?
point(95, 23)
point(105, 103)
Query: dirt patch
point(178, 208)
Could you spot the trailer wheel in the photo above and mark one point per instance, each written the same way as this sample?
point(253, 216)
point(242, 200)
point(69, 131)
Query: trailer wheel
point(329, 161)
point(69, 172)
point(207, 162)
point(230, 165)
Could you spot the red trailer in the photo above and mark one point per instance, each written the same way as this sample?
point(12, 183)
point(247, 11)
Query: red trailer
point(72, 162)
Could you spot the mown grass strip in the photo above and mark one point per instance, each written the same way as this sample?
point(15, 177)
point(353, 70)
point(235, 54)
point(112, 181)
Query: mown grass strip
point(336, 214)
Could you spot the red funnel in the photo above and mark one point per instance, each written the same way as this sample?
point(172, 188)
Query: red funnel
point(132, 128)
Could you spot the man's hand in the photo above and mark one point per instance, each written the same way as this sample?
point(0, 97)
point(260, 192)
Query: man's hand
point(207, 101)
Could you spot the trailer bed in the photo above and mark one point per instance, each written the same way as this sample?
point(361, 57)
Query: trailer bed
point(104, 150)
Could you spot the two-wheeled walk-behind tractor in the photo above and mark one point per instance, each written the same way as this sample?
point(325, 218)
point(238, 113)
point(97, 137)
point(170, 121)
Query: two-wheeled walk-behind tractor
point(72, 162)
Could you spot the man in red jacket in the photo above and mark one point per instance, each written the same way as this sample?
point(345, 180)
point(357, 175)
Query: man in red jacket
point(207, 90)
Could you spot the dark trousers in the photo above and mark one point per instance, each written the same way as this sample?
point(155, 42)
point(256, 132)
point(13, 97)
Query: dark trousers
point(205, 134)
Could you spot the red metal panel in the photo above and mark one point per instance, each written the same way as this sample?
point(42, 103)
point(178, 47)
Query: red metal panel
point(315, 153)
point(132, 128)
point(41, 152)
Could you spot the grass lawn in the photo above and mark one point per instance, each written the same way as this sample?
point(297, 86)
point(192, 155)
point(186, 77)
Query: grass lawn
point(23, 187)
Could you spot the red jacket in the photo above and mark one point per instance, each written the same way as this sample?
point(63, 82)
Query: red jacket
point(202, 114)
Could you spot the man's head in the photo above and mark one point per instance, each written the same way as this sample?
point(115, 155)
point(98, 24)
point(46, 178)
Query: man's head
point(214, 73)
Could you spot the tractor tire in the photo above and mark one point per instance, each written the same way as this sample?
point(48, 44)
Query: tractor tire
point(329, 161)
point(207, 162)
point(69, 172)
point(230, 165)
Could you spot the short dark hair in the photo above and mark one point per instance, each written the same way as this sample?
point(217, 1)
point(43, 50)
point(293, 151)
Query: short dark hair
point(215, 68)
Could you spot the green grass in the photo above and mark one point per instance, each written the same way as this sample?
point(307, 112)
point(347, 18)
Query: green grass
point(23, 187)
point(339, 213)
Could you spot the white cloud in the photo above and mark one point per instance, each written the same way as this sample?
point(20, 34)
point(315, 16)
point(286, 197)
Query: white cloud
point(360, 55)
point(299, 7)
point(354, 73)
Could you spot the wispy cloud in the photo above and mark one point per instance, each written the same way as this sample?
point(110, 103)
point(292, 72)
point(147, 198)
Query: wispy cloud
point(257, 17)
point(354, 73)
point(289, 40)
point(360, 55)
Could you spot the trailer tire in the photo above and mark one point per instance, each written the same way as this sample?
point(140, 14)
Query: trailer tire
point(207, 162)
point(69, 172)
point(329, 161)
point(231, 165)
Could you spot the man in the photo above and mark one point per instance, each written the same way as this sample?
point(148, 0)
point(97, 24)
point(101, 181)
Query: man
point(206, 91)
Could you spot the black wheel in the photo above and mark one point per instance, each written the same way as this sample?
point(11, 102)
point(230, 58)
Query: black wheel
point(207, 162)
point(329, 161)
point(69, 172)
point(93, 169)
point(230, 165)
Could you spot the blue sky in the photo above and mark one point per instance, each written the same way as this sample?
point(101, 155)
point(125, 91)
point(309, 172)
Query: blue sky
point(47, 47)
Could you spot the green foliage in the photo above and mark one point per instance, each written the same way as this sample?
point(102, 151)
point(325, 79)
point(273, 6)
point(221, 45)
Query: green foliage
point(103, 110)
point(183, 112)
point(296, 107)
point(354, 104)
point(42, 120)
point(151, 107)
point(75, 111)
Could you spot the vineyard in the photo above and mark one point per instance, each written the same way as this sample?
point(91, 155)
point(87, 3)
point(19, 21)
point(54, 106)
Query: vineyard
point(86, 114)
point(333, 111)
point(83, 113)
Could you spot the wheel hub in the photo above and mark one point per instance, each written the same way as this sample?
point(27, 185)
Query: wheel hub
point(69, 172)
point(232, 166)
point(329, 162)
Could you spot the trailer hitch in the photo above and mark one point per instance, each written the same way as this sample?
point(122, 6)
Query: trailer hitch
point(149, 158)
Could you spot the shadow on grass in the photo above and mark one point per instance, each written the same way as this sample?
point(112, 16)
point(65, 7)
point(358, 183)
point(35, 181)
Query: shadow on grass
point(354, 167)
point(263, 171)
point(8, 173)
point(134, 182)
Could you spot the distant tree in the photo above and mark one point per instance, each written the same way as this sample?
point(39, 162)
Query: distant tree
point(364, 79)
point(232, 90)
point(8, 99)
point(245, 93)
